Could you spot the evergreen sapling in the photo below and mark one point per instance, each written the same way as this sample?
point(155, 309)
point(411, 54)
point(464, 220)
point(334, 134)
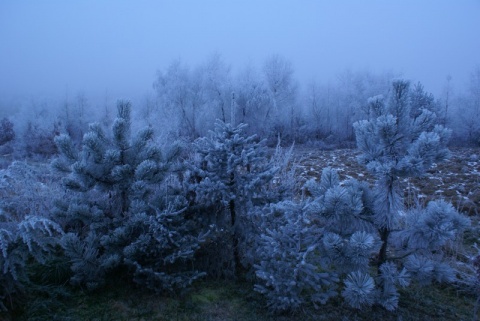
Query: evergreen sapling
point(232, 175)
point(122, 215)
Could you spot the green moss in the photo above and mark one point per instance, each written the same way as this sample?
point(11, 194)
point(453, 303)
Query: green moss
point(206, 296)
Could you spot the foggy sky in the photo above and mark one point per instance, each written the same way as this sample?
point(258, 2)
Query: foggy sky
point(114, 48)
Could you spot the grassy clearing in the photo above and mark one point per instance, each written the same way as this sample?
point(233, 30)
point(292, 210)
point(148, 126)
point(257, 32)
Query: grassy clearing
point(227, 300)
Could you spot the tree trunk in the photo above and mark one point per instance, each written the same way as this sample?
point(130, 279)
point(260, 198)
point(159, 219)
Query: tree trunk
point(382, 255)
point(236, 254)
point(390, 209)
point(233, 220)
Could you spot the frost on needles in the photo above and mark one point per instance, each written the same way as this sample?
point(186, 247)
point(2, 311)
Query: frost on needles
point(232, 177)
point(359, 241)
point(27, 237)
point(122, 215)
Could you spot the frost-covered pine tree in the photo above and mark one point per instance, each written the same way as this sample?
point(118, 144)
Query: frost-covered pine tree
point(342, 228)
point(232, 174)
point(352, 240)
point(395, 145)
point(122, 214)
point(400, 144)
point(420, 100)
point(291, 267)
point(307, 247)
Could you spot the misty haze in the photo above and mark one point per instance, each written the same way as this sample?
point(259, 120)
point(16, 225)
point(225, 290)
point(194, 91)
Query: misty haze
point(239, 160)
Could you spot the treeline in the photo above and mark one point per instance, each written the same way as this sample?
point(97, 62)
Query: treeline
point(187, 100)
point(121, 206)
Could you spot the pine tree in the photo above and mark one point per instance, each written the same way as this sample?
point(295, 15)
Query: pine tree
point(291, 268)
point(122, 213)
point(420, 99)
point(305, 248)
point(342, 228)
point(401, 144)
point(351, 240)
point(232, 175)
point(395, 145)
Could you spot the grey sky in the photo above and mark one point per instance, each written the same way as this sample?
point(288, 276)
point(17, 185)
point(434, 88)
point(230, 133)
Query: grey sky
point(49, 47)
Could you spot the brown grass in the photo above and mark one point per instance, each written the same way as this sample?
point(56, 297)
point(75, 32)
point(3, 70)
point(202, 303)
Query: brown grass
point(456, 180)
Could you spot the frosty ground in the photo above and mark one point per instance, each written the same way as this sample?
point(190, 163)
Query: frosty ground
point(456, 180)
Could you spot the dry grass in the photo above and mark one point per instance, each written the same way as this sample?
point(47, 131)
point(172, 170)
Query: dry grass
point(456, 180)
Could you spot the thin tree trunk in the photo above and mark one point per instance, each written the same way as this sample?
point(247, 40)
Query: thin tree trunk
point(391, 207)
point(236, 254)
point(382, 255)
point(233, 220)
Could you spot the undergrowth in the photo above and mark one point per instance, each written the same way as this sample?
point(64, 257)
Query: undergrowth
point(212, 300)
